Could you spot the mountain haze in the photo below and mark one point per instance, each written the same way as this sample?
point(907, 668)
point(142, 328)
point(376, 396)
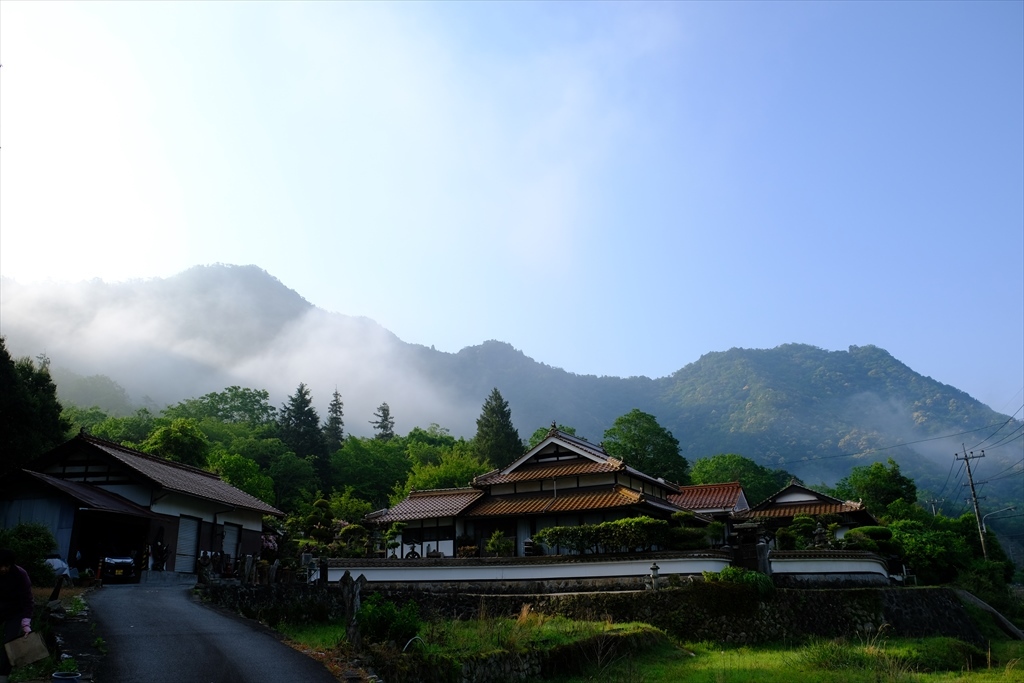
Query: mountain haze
point(810, 411)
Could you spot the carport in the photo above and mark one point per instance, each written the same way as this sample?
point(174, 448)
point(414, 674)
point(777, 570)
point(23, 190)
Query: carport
point(85, 519)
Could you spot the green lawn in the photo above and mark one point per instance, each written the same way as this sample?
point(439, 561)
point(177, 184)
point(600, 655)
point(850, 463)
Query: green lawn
point(819, 662)
point(878, 660)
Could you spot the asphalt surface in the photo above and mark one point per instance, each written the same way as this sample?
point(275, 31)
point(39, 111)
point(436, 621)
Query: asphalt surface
point(161, 634)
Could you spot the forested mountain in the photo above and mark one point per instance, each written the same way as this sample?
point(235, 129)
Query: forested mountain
point(813, 412)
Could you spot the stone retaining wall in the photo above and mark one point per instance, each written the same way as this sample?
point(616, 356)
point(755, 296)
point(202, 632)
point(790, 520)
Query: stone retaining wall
point(698, 611)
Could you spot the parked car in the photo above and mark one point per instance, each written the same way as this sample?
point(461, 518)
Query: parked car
point(119, 568)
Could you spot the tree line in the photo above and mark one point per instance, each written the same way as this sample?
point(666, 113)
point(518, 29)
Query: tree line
point(323, 478)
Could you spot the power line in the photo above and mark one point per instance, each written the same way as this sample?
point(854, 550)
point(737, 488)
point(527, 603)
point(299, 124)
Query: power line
point(900, 445)
point(1009, 438)
point(951, 465)
point(1008, 421)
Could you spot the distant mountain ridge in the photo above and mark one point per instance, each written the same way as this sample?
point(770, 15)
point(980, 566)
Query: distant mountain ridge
point(797, 407)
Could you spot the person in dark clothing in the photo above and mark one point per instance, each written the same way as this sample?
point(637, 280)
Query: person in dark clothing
point(16, 605)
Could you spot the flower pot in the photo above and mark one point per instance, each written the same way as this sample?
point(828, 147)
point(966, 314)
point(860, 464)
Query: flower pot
point(66, 676)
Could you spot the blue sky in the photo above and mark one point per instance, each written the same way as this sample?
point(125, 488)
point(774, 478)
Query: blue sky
point(614, 189)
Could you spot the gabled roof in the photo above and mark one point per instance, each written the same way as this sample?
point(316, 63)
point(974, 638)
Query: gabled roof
point(428, 505)
point(168, 475)
point(591, 459)
point(727, 497)
point(796, 499)
point(560, 440)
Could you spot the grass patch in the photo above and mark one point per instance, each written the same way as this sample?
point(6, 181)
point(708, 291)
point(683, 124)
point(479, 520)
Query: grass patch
point(821, 661)
point(530, 631)
point(315, 636)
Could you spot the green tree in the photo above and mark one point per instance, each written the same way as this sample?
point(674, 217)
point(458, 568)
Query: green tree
point(242, 473)
point(334, 428)
point(82, 418)
point(349, 508)
point(30, 414)
point(877, 486)
point(425, 446)
point(384, 425)
point(542, 432)
point(294, 481)
point(455, 469)
point(497, 440)
point(758, 482)
point(264, 452)
point(233, 405)
point(180, 441)
point(299, 429)
point(638, 440)
point(371, 467)
point(133, 429)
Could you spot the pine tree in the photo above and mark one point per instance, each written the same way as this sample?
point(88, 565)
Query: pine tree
point(334, 428)
point(384, 424)
point(497, 440)
point(299, 427)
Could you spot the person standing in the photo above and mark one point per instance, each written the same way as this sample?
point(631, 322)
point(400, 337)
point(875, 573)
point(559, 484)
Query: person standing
point(16, 605)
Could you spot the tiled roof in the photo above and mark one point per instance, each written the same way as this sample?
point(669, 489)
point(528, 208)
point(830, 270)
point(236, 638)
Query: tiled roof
point(93, 497)
point(550, 471)
point(808, 508)
point(570, 501)
point(708, 496)
point(181, 478)
point(429, 504)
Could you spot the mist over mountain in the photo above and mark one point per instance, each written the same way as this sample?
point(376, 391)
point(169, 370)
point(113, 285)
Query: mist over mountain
point(813, 412)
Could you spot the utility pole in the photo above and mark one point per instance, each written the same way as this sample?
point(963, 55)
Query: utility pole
point(933, 501)
point(974, 494)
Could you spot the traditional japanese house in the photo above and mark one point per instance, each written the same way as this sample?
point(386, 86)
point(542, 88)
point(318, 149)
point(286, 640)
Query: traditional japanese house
point(719, 502)
point(100, 498)
point(563, 481)
point(795, 499)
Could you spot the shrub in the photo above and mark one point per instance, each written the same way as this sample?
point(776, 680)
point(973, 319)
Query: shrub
point(381, 621)
point(761, 583)
point(31, 543)
point(857, 540)
point(634, 533)
point(499, 545)
point(875, 533)
point(785, 539)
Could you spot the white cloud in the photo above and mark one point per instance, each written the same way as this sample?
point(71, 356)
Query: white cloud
point(86, 192)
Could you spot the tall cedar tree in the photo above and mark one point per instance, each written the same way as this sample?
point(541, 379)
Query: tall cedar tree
point(497, 440)
point(334, 428)
point(30, 414)
point(299, 427)
point(384, 424)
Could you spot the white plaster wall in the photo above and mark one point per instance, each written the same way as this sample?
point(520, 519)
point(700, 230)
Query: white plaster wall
point(175, 505)
point(829, 566)
point(531, 571)
point(140, 495)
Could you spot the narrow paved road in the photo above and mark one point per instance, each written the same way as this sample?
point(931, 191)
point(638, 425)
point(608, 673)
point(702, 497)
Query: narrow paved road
point(159, 634)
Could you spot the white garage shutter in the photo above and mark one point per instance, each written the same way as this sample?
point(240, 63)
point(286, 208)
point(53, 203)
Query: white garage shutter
point(188, 545)
point(232, 537)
